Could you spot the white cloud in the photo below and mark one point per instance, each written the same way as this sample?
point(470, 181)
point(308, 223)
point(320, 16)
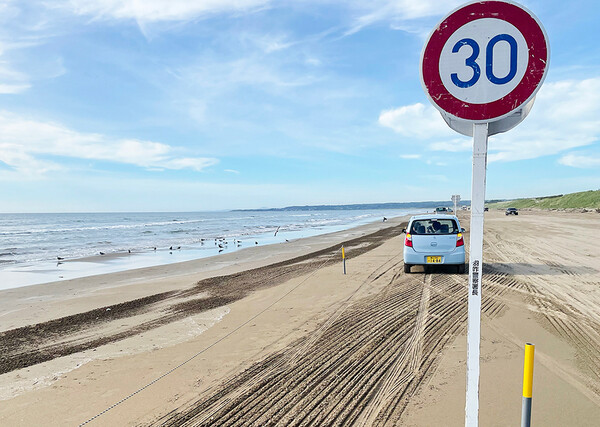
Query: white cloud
point(417, 121)
point(362, 14)
point(20, 32)
point(194, 163)
point(267, 43)
point(231, 171)
point(23, 141)
point(11, 81)
point(566, 115)
point(397, 11)
point(24, 162)
point(580, 161)
point(410, 156)
point(217, 75)
point(13, 88)
point(146, 11)
point(315, 62)
point(453, 145)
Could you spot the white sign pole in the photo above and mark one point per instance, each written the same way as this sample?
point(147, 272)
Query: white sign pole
point(481, 67)
point(480, 140)
point(455, 200)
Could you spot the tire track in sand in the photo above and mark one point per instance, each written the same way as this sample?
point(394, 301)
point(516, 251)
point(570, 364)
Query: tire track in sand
point(363, 367)
point(255, 376)
point(410, 358)
point(558, 303)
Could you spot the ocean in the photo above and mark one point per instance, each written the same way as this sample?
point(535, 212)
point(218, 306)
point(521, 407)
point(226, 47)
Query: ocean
point(31, 244)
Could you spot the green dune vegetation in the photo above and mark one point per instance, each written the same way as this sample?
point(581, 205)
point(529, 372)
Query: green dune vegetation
point(582, 200)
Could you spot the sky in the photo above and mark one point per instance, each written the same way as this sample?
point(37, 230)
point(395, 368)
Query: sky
point(176, 105)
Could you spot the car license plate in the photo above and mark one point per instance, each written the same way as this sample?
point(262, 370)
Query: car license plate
point(434, 260)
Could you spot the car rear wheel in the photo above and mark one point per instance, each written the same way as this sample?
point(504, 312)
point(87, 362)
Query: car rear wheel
point(460, 269)
point(407, 268)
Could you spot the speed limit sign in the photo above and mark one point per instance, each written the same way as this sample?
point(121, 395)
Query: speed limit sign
point(481, 68)
point(484, 61)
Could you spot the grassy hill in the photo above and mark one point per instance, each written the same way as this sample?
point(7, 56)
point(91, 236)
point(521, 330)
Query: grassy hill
point(585, 199)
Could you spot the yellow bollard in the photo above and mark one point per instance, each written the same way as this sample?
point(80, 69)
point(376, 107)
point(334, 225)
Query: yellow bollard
point(527, 385)
point(344, 259)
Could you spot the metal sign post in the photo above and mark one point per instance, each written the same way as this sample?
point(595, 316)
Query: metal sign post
point(481, 68)
point(480, 140)
point(455, 200)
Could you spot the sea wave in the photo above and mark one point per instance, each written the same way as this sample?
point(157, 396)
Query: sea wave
point(97, 227)
point(33, 238)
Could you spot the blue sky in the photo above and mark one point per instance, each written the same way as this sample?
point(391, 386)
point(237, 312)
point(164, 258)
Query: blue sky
point(155, 105)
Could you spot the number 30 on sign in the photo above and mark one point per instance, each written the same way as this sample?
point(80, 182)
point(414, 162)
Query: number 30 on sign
point(484, 61)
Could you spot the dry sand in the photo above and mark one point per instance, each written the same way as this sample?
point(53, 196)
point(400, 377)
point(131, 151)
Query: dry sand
point(280, 335)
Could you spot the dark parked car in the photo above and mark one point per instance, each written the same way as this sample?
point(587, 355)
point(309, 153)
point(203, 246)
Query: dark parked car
point(511, 211)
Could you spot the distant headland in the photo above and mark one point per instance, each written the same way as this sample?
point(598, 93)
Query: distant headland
point(364, 206)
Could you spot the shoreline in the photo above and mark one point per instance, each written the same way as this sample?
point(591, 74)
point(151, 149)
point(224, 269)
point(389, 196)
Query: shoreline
point(139, 282)
point(64, 269)
point(162, 302)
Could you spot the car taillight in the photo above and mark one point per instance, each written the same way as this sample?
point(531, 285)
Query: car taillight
point(408, 240)
point(459, 240)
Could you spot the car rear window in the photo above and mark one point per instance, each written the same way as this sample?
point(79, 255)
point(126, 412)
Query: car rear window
point(434, 226)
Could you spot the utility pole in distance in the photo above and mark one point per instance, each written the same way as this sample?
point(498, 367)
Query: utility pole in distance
point(455, 200)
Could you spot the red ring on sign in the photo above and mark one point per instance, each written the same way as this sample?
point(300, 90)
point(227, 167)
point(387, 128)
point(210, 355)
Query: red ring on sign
point(536, 67)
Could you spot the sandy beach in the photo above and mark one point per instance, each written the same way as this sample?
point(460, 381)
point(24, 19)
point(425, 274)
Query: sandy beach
point(279, 335)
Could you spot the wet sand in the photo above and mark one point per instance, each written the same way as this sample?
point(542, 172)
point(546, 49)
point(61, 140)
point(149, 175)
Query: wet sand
point(280, 335)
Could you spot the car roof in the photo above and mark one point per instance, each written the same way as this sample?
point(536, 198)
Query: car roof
point(433, 216)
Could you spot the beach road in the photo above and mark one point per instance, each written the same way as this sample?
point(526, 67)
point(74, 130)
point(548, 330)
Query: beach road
point(297, 342)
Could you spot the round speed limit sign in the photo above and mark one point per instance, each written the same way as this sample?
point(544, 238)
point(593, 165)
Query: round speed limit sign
point(484, 61)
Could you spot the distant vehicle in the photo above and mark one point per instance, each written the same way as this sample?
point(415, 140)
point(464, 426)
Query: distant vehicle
point(434, 239)
point(486, 209)
point(511, 211)
point(441, 209)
